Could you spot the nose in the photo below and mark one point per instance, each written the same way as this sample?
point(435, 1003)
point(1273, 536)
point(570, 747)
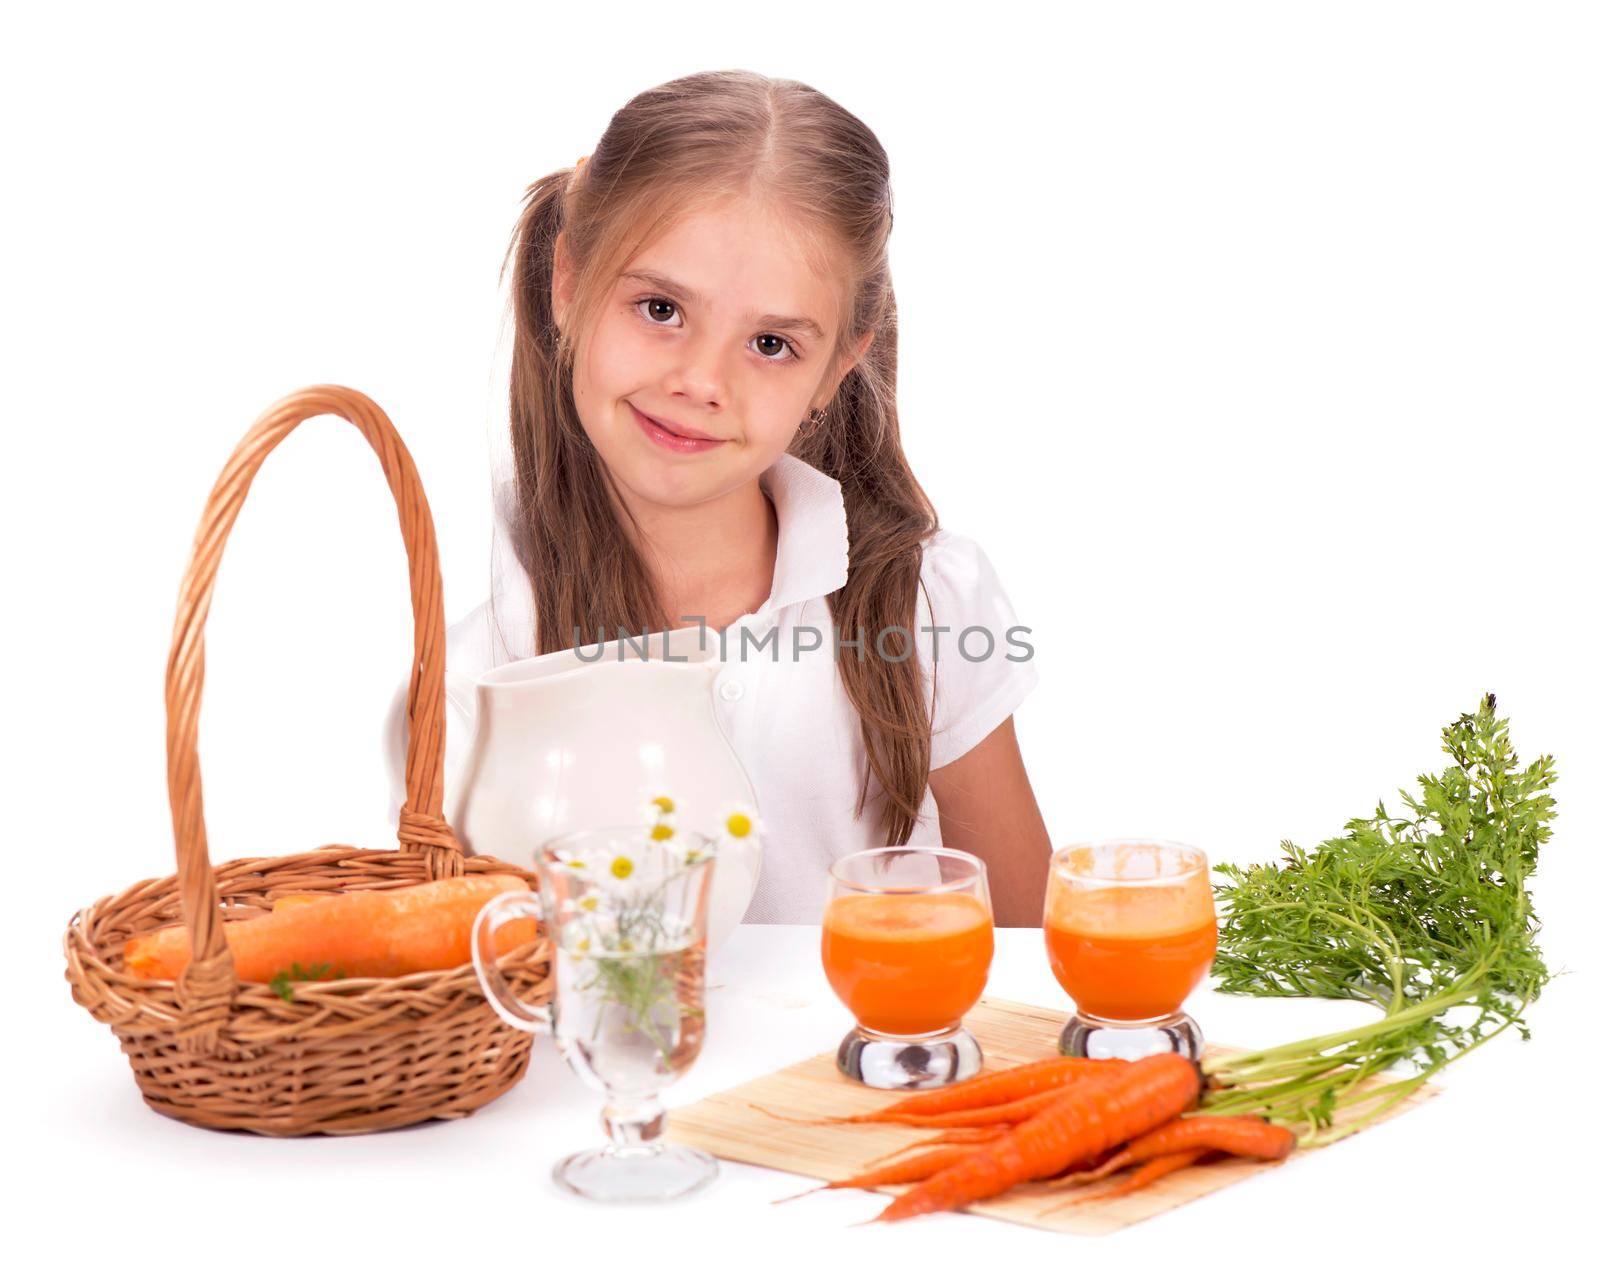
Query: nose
point(698, 375)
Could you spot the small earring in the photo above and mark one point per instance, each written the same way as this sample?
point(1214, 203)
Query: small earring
point(817, 418)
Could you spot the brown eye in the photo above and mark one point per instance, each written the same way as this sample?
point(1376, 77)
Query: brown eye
point(778, 345)
point(654, 307)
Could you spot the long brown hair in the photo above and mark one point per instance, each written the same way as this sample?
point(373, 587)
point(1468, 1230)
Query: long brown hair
point(671, 149)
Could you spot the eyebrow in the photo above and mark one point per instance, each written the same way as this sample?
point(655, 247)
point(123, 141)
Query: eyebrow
point(658, 281)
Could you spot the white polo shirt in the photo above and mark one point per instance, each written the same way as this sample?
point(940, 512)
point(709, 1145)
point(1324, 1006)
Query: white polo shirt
point(782, 705)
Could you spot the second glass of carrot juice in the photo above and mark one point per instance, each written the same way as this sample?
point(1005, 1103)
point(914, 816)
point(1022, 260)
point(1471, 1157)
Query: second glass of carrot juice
point(907, 937)
point(1131, 930)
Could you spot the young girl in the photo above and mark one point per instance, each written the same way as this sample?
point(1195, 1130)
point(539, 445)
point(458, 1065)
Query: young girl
point(703, 425)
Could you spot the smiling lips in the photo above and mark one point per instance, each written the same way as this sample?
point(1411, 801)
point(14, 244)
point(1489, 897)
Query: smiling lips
point(670, 437)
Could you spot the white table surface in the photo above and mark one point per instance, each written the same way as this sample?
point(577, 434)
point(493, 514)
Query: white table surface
point(103, 1178)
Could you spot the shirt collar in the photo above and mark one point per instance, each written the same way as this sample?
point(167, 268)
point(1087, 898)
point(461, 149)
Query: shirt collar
point(813, 532)
point(813, 544)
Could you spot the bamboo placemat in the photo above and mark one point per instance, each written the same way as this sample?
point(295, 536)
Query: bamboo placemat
point(728, 1125)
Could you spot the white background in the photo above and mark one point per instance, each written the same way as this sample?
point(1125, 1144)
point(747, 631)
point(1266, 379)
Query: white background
point(1255, 343)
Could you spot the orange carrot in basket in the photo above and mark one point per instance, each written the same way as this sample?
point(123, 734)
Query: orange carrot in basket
point(1243, 1135)
point(1087, 1119)
point(368, 933)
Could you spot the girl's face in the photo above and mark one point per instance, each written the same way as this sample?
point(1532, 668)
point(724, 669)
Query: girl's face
point(720, 329)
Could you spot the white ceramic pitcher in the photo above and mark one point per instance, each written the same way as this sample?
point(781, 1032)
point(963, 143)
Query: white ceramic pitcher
point(573, 740)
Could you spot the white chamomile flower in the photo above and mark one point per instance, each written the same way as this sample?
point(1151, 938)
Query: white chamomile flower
point(567, 857)
point(693, 849)
point(620, 868)
point(659, 813)
point(589, 903)
point(738, 828)
point(677, 851)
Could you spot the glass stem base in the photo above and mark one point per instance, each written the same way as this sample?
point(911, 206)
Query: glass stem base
point(1086, 1036)
point(927, 1061)
point(635, 1166)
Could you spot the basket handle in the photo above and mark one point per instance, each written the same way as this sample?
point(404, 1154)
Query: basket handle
point(205, 990)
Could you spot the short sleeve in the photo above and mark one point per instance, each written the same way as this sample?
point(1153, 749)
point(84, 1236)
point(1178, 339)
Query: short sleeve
point(977, 657)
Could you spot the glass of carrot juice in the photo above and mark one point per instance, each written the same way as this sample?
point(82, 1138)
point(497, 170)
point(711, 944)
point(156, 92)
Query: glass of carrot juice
point(907, 936)
point(1131, 931)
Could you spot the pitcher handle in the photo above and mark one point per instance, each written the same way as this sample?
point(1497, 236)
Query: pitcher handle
point(497, 911)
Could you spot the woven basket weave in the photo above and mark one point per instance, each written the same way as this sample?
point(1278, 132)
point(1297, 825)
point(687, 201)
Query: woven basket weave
point(350, 1056)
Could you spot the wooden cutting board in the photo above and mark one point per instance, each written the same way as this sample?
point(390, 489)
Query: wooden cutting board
point(728, 1125)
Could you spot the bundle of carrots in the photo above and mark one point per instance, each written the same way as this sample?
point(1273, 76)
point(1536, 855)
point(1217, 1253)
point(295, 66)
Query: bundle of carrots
point(369, 933)
point(1064, 1121)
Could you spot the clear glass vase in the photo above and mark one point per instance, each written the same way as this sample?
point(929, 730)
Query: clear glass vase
point(627, 916)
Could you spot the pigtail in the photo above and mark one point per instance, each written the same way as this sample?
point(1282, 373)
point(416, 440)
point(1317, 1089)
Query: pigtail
point(889, 516)
point(587, 578)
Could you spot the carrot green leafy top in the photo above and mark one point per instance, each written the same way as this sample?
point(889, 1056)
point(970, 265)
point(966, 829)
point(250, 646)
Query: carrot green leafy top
point(1426, 915)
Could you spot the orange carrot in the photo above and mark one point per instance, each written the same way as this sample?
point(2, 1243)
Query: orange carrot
point(986, 1117)
point(1010, 1112)
point(1243, 1135)
point(1087, 1119)
point(1140, 1177)
point(955, 1137)
point(995, 1088)
point(1020, 1107)
point(905, 1170)
point(369, 933)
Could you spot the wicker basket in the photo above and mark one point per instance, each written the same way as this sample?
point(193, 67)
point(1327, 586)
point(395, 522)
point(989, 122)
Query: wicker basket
point(350, 1056)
